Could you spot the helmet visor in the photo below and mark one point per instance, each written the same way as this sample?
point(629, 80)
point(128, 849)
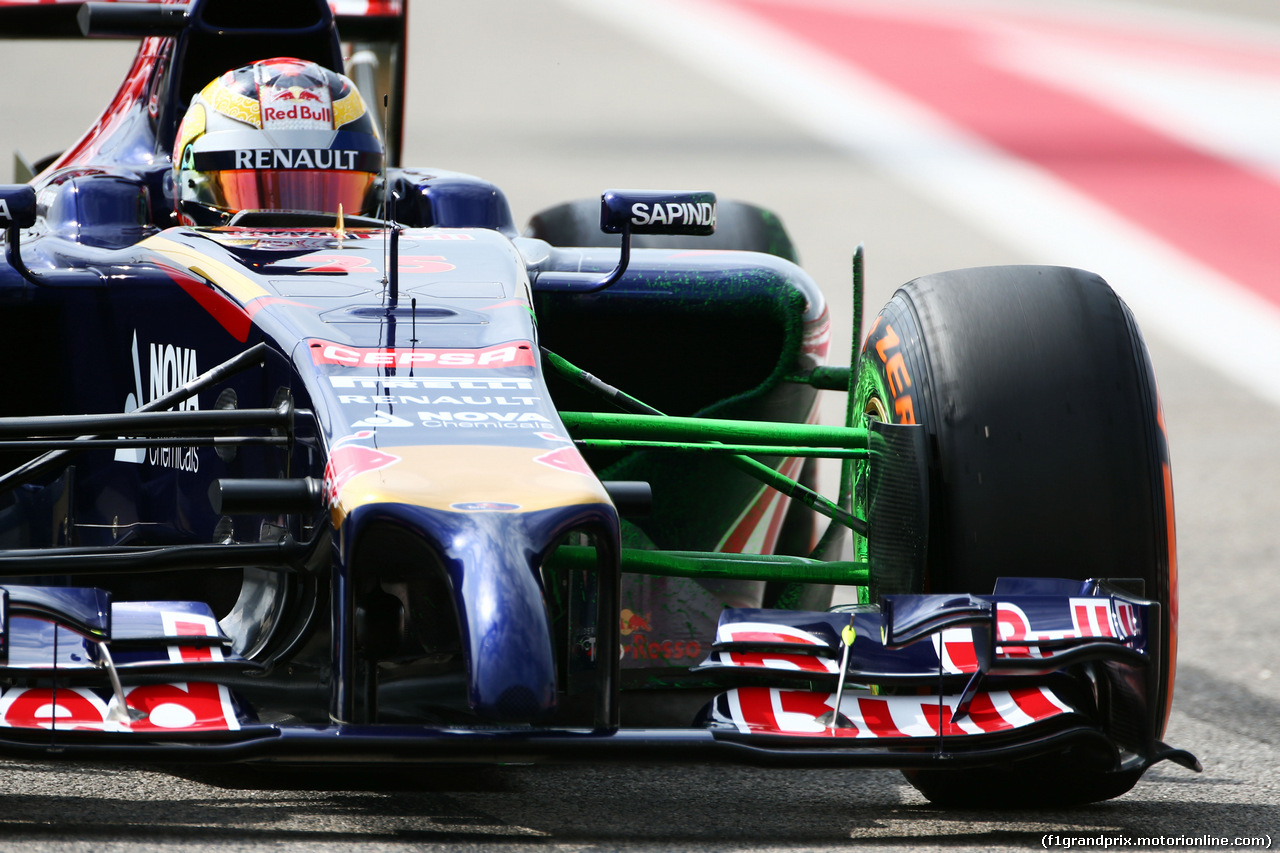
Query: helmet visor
point(294, 189)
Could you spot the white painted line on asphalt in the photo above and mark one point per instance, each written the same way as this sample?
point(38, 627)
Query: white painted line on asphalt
point(1183, 301)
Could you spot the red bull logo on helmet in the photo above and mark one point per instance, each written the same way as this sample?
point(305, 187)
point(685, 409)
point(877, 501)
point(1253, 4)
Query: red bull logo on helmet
point(296, 107)
point(299, 112)
point(297, 93)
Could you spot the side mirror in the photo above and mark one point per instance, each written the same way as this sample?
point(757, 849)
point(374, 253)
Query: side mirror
point(628, 212)
point(17, 206)
point(650, 212)
point(17, 211)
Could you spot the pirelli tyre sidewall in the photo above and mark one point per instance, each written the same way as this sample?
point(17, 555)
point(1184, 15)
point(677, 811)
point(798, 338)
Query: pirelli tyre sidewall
point(1048, 456)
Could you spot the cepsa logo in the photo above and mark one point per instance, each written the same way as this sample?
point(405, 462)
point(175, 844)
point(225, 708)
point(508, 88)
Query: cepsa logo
point(515, 354)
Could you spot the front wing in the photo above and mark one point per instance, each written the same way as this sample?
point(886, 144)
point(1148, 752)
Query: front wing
point(926, 680)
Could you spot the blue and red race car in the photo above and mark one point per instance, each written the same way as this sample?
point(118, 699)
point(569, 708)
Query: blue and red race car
point(330, 463)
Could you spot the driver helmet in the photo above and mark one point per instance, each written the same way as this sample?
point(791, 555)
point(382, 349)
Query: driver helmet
point(281, 134)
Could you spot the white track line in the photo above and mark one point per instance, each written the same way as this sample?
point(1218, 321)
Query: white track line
point(1174, 296)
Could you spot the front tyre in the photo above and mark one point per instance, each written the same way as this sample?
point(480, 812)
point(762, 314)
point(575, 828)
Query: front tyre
point(1048, 459)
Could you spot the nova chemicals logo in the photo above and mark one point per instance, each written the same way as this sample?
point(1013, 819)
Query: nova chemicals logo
point(169, 368)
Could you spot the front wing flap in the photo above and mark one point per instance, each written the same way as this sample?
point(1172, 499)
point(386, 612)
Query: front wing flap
point(955, 673)
point(784, 714)
point(924, 637)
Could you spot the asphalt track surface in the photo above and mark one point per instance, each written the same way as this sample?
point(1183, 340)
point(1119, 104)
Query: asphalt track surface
point(561, 100)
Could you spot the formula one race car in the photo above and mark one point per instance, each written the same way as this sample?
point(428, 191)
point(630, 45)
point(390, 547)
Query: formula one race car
point(313, 472)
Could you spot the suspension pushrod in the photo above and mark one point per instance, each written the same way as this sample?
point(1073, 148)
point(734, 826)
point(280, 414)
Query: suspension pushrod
point(755, 449)
point(601, 425)
point(139, 424)
point(133, 443)
point(287, 555)
point(762, 472)
point(719, 566)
